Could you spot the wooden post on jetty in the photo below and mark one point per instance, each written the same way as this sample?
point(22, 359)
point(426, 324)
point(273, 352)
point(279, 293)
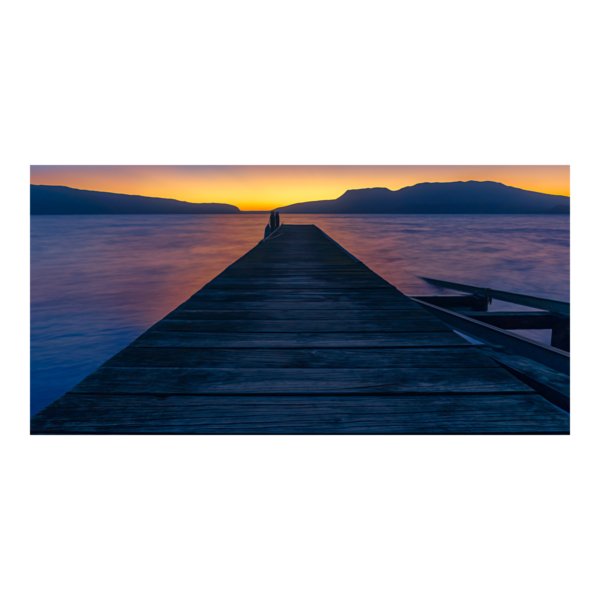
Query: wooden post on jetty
point(299, 337)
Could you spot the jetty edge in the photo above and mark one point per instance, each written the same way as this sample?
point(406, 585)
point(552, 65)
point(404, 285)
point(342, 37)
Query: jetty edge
point(300, 337)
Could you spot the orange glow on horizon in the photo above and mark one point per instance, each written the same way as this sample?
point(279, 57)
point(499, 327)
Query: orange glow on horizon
point(268, 187)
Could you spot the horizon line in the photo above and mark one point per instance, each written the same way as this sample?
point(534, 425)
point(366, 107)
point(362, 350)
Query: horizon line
point(302, 201)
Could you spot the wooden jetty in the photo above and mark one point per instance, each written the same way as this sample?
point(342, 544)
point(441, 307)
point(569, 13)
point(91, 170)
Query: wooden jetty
point(299, 337)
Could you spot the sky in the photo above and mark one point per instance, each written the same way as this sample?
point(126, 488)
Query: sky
point(268, 187)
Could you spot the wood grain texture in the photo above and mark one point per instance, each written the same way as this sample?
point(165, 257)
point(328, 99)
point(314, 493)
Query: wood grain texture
point(291, 283)
point(416, 323)
point(235, 380)
point(304, 358)
point(272, 295)
point(287, 314)
point(178, 339)
point(281, 307)
point(300, 275)
point(439, 414)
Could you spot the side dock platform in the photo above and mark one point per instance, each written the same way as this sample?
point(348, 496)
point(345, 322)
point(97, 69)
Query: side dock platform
point(298, 337)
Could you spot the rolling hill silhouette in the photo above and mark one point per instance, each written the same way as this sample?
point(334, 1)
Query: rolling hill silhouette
point(61, 200)
point(459, 197)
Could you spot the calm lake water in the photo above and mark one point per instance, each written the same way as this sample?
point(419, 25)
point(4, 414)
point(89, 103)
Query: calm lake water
point(98, 282)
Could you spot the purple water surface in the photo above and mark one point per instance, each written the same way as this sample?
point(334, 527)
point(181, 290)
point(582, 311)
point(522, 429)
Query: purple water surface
point(98, 282)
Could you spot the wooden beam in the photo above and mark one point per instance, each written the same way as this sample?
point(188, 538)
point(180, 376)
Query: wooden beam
point(551, 357)
point(471, 301)
point(559, 324)
point(552, 385)
point(515, 320)
point(563, 308)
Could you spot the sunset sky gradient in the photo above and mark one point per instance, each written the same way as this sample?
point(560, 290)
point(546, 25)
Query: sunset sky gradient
point(268, 187)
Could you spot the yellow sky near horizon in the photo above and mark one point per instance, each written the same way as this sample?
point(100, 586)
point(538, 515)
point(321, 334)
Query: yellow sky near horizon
point(268, 187)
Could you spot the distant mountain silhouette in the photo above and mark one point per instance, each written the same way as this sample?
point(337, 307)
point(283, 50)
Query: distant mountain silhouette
point(61, 200)
point(559, 209)
point(459, 197)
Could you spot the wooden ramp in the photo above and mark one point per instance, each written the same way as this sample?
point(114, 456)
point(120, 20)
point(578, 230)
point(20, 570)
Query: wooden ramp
point(297, 336)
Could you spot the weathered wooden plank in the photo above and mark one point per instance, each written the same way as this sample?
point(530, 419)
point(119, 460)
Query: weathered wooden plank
point(302, 253)
point(189, 314)
point(306, 247)
point(416, 323)
point(303, 274)
point(291, 267)
point(316, 358)
point(425, 403)
point(440, 414)
point(281, 307)
point(300, 250)
point(298, 381)
point(165, 427)
point(298, 275)
point(294, 283)
point(161, 339)
point(383, 295)
point(552, 385)
point(299, 260)
point(291, 284)
point(300, 256)
point(309, 245)
point(315, 265)
point(303, 247)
